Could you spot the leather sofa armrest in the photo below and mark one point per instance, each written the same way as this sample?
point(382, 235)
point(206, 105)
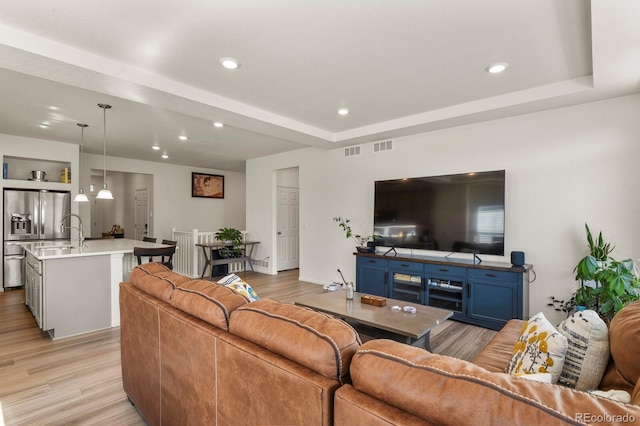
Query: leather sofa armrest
point(352, 407)
point(635, 397)
point(495, 356)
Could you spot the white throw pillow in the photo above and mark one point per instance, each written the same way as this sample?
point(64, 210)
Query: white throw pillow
point(588, 350)
point(539, 349)
point(537, 377)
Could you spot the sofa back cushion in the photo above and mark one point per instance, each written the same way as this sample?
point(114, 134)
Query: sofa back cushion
point(317, 341)
point(445, 390)
point(624, 344)
point(157, 280)
point(208, 301)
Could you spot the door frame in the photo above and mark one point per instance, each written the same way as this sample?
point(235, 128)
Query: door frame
point(273, 266)
point(149, 217)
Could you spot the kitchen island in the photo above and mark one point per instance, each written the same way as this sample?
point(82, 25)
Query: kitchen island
point(73, 289)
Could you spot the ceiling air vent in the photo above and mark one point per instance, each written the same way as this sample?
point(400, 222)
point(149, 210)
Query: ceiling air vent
point(383, 146)
point(352, 151)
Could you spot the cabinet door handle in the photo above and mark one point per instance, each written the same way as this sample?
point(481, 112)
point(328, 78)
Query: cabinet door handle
point(444, 270)
point(491, 275)
point(372, 261)
point(404, 265)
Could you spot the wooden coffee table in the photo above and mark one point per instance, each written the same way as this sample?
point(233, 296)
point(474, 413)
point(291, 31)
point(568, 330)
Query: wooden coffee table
point(414, 327)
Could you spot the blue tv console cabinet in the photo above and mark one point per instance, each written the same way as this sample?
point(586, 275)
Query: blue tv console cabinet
point(487, 294)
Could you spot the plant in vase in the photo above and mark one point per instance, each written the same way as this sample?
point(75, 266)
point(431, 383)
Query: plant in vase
point(233, 237)
point(598, 255)
point(606, 285)
point(361, 240)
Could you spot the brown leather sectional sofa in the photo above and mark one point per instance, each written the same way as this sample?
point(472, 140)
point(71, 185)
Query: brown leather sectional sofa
point(194, 352)
point(399, 384)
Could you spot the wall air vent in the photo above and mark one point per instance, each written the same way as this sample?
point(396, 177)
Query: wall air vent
point(383, 146)
point(352, 151)
point(260, 262)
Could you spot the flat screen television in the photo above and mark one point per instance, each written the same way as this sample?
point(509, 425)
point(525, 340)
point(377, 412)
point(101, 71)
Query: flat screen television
point(454, 213)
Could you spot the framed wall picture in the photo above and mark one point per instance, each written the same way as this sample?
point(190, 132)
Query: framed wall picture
point(207, 186)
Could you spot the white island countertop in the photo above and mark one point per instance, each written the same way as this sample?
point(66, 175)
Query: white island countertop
point(74, 289)
point(44, 250)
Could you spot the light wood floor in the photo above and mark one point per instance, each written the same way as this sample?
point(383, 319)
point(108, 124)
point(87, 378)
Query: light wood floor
point(77, 380)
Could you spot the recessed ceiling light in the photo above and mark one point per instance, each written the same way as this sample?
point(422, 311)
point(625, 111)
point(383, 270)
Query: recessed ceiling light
point(343, 111)
point(53, 108)
point(182, 138)
point(218, 124)
point(165, 156)
point(42, 126)
point(46, 123)
point(230, 63)
point(155, 148)
point(497, 68)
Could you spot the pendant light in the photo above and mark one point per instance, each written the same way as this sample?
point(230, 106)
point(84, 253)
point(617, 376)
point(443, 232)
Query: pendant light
point(81, 197)
point(104, 193)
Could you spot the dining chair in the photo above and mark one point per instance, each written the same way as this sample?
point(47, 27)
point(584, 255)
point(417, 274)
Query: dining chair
point(165, 255)
point(149, 239)
point(169, 242)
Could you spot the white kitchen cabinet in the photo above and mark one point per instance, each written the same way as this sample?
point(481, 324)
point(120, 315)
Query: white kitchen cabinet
point(33, 287)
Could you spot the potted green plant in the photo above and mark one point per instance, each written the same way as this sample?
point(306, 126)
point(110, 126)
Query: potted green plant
point(361, 240)
point(598, 255)
point(583, 298)
point(606, 285)
point(617, 287)
point(233, 238)
point(561, 305)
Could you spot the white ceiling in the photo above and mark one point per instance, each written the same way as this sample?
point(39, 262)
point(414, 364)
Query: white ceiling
point(401, 67)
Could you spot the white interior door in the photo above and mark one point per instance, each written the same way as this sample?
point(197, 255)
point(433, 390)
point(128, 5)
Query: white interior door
point(97, 227)
point(288, 229)
point(142, 213)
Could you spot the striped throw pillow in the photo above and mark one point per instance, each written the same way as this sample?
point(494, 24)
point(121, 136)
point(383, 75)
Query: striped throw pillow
point(587, 351)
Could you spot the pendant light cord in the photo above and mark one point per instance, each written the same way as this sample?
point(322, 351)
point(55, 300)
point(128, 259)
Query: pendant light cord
point(104, 146)
point(104, 107)
point(81, 197)
point(82, 126)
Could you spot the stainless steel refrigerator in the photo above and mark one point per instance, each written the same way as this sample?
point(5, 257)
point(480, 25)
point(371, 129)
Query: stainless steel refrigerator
point(30, 215)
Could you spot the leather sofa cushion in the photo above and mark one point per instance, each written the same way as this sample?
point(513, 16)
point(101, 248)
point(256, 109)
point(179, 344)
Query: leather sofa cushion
point(208, 301)
point(157, 280)
point(445, 390)
point(495, 356)
point(315, 340)
point(624, 343)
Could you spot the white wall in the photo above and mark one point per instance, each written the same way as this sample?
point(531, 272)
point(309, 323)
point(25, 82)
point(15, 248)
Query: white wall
point(564, 167)
point(121, 210)
point(49, 155)
point(172, 204)
point(288, 178)
point(48, 152)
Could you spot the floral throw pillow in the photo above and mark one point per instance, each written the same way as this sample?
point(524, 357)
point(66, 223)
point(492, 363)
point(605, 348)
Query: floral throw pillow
point(539, 349)
point(244, 289)
point(238, 285)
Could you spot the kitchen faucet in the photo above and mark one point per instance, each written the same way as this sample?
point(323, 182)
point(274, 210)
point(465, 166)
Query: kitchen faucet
point(79, 228)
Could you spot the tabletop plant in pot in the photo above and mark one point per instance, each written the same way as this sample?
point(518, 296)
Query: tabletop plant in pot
point(606, 284)
point(233, 238)
point(361, 240)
